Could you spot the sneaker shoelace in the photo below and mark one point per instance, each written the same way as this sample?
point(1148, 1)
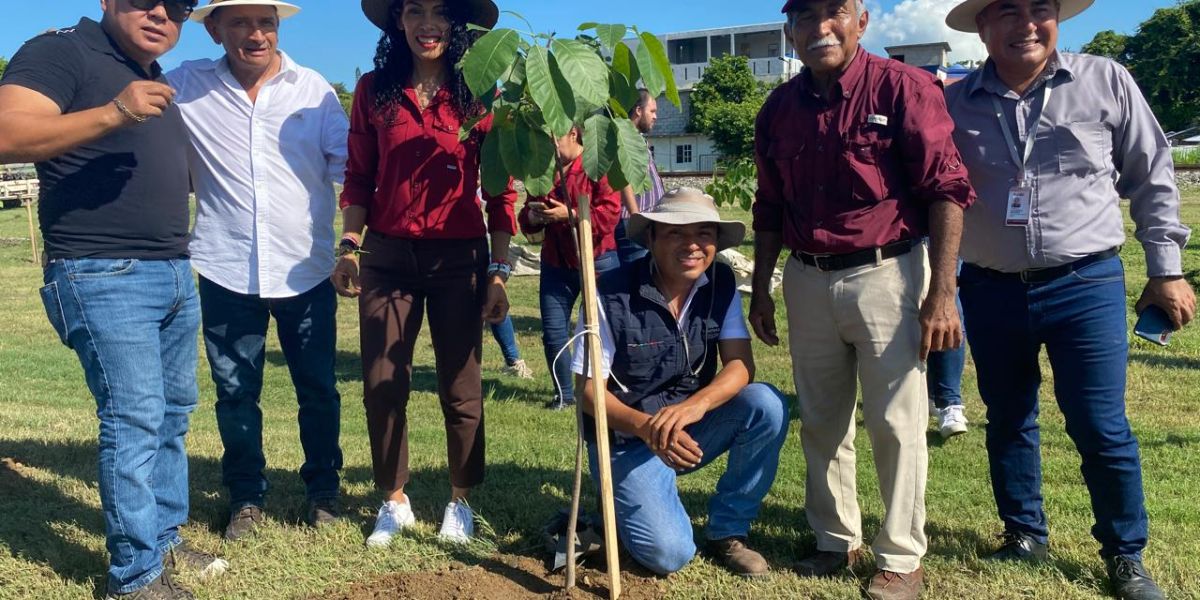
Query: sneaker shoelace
point(456, 524)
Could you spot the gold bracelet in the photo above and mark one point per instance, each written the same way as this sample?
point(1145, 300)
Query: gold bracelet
point(129, 113)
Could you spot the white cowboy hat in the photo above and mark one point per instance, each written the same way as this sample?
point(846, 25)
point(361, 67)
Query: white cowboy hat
point(684, 206)
point(284, 9)
point(484, 13)
point(962, 17)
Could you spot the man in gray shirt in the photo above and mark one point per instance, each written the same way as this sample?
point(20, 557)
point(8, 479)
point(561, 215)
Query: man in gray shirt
point(1052, 141)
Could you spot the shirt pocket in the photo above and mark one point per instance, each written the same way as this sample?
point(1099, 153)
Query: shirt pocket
point(864, 152)
point(1083, 148)
point(785, 154)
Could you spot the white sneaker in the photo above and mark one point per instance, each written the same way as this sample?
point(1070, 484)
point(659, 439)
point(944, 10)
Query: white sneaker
point(458, 524)
point(952, 421)
point(518, 369)
point(393, 517)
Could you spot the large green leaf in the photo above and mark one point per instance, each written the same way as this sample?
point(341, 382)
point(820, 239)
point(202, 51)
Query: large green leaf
point(489, 58)
point(586, 72)
point(633, 158)
point(599, 146)
point(624, 63)
point(510, 148)
point(652, 56)
point(495, 178)
point(538, 153)
point(622, 91)
point(550, 90)
point(611, 35)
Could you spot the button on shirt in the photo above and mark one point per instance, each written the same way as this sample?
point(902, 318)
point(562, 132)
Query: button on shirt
point(1096, 142)
point(860, 170)
point(414, 176)
point(263, 174)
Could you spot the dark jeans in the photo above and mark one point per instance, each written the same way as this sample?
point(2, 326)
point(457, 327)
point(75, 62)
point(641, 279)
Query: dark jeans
point(235, 336)
point(945, 371)
point(1080, 319)
point(506, 337)
point(401, 279)
point(557, 292)
point(627, 250)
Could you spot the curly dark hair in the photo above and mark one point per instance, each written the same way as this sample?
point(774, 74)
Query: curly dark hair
point(394, 65)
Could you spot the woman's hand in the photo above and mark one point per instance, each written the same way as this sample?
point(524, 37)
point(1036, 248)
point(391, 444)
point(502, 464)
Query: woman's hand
point(495, 307)
point(345, 277)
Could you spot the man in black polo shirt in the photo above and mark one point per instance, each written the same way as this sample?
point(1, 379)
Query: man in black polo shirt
point(90, 106)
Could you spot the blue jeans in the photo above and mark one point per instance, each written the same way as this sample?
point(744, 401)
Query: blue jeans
point(1080, 319)
point(506, 337)
point(651, 521)
point(235, 337)
point(945, 371)
point(627, 249)
point(557, 292)
point(133, 325)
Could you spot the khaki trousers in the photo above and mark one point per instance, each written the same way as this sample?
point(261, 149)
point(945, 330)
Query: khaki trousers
point(862, 322)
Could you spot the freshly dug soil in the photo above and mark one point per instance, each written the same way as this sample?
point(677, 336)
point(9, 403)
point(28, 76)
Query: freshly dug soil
point(502, 577)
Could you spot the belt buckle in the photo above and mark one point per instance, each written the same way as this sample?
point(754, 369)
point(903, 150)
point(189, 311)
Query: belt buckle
point(817, 258)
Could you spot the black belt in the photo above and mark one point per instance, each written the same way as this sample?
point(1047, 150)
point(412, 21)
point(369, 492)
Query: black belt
point(1049, 273)
point(838, 262)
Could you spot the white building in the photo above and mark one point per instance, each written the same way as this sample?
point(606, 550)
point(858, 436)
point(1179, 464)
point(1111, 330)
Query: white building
point(771, 59)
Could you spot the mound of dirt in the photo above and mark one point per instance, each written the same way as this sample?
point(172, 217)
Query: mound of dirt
point(503, 577)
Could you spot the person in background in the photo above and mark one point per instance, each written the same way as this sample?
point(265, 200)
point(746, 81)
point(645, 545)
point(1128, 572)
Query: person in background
point(411, 182)
point(90, 106)
point(268, 143)
point(1052, 141)
point(943, 376)
point(644, 116)
point(558, 288)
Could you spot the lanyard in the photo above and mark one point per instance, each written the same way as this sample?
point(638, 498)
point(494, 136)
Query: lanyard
point(1031, 131)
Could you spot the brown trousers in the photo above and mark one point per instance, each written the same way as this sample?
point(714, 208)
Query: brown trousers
point(399, 277)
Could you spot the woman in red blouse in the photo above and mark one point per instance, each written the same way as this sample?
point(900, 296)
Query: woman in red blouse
point(559, 285)
point(412, 184)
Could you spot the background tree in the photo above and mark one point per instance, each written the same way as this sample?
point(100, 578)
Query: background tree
point(1108, 44)
point(3, 65)
point(1164, 57)
point(346, 97)
point(724, 104)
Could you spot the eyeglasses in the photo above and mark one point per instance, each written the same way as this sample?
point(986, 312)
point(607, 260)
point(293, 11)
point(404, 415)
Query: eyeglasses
point(177, 10)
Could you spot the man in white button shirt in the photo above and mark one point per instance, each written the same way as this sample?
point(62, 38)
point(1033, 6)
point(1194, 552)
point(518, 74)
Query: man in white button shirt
point(268, 141)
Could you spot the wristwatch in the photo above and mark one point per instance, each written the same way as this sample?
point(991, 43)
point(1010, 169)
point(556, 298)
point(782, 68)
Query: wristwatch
point(501, 269)
point(347, 247)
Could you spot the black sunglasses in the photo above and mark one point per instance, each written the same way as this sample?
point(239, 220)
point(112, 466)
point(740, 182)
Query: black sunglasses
point(177, 10)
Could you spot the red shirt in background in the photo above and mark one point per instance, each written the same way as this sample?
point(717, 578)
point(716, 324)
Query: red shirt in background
point(859, 171)
point(413, 175)
point(558, 249)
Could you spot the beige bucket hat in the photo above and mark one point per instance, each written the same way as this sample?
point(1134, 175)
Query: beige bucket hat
point(484, 13)
point(684, 206)
point(285, 10)
point(962, 17)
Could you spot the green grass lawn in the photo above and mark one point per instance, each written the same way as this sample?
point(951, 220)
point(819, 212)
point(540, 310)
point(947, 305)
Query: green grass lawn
point(51, 531)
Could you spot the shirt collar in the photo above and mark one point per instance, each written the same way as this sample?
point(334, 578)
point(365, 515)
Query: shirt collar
point(990, 82)
point(96, 38)
point(847, 83)
point(650, 291)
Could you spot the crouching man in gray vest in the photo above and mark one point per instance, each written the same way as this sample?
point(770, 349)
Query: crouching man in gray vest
point(664, 321)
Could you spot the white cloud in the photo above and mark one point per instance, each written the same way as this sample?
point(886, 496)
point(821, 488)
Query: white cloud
point(919, 22)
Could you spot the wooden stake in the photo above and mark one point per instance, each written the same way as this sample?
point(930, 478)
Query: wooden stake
point(37, 260)
point(591, 316)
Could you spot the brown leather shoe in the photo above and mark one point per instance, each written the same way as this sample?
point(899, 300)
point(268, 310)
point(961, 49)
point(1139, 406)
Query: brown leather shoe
point(889, 585)
point(738, 557)
point(824, 564)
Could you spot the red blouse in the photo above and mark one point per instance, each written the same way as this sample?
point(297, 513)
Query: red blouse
point(414, 177)
point(558, 249)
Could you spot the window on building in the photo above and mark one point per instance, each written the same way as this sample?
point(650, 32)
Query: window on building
point(721, 45)
point(683, 154)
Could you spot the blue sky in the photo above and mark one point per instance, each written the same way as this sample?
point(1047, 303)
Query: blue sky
point(334, 38)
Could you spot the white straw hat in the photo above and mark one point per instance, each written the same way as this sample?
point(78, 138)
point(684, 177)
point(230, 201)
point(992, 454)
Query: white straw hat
point(685, 206)
point(284, 9)
point(962, 17)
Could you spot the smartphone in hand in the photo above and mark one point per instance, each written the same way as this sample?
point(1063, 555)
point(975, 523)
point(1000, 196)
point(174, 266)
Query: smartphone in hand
point(1154, 326)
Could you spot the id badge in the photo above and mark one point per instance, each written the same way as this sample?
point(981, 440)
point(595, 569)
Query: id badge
point(1020, 204)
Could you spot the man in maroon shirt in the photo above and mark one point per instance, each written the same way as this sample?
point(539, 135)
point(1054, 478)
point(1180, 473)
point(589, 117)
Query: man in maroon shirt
point(856, 166)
